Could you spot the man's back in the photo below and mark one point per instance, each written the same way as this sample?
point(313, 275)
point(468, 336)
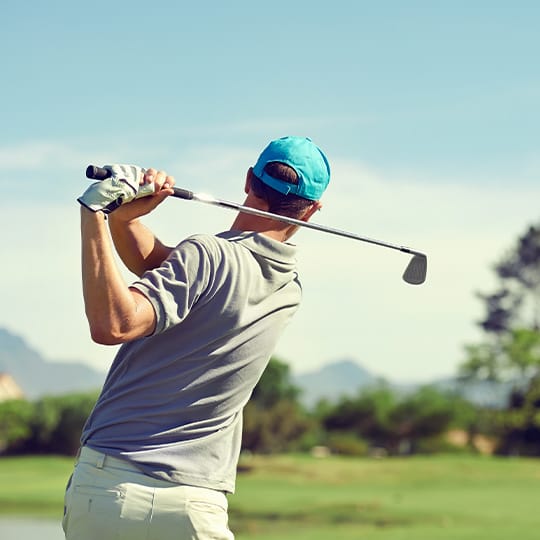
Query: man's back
point(172, 402)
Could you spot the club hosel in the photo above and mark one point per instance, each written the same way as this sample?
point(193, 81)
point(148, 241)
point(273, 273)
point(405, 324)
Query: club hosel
point(410, 251)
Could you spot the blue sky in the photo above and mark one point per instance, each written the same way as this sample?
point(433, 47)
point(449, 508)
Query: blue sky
point(427, 110)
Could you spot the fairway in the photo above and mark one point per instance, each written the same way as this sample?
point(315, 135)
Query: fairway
point(300, 497)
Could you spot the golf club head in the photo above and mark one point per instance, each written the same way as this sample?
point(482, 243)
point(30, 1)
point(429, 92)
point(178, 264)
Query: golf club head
point(416, 270)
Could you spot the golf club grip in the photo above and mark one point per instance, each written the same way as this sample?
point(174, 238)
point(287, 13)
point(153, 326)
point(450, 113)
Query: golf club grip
point(99, 173)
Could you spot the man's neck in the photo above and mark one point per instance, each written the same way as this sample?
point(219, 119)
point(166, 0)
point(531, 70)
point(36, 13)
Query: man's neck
point(268, 227)
point(274, 229)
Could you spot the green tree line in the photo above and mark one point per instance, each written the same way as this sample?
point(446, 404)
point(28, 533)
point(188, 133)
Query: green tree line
point(274, 420)
point(51, 425)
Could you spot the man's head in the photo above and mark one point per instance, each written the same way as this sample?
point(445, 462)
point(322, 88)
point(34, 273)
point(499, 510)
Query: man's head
point(291, 174)
point(307, 160)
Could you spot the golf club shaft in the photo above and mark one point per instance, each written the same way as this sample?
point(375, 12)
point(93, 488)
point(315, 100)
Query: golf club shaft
point(181, 193)
point(99, 173)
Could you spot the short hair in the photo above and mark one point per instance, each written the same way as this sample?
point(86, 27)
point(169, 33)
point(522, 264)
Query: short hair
point(289, 205)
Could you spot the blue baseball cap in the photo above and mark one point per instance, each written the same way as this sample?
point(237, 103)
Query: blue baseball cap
point(306, 158)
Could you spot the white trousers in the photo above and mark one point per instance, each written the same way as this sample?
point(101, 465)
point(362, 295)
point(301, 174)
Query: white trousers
point(107, 498)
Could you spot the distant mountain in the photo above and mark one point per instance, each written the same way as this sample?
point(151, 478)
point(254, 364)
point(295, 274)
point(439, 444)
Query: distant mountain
point(341, 378)
point(348, 378)
point(37, 377)
point(485, 393)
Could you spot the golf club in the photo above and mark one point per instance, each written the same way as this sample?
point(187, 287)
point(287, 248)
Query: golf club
point(416, 270)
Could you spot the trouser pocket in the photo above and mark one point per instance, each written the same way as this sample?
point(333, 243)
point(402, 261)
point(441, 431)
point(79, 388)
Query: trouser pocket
point(92, 513)
point(209, 520)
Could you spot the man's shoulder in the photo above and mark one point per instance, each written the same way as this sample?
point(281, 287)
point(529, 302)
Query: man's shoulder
point(208, 241)
point(226, 238)
point(208, 246)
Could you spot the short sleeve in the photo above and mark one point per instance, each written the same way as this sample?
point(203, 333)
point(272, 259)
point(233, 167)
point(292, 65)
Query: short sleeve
point(177, 285)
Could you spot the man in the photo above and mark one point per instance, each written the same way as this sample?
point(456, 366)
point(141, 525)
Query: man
point(160, 449)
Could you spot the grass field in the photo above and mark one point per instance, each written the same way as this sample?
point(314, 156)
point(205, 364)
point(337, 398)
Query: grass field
point(300, 497)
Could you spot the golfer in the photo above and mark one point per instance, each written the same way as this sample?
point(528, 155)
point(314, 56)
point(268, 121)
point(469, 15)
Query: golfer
point(160, 449)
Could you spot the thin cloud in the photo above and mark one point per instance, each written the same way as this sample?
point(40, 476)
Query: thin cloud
point(37, 155)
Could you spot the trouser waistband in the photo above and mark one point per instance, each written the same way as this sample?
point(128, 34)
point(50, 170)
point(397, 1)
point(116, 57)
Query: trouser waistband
point(100, 460)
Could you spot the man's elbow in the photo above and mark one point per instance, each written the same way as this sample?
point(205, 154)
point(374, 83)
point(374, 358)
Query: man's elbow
point(114, 328)
point(104, 339)
point(106, 333)
point(105, 336)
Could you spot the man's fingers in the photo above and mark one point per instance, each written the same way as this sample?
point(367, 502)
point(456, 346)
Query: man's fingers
point(160, 179)
point(169, 182)
point(149, 176)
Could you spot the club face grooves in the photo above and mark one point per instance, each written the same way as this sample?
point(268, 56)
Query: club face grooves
point(416, 270)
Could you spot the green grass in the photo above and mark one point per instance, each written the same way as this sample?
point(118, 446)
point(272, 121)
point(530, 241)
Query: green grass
point(34, 486)
point(300, 497)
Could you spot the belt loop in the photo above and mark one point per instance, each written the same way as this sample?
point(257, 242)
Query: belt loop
point(100, 462)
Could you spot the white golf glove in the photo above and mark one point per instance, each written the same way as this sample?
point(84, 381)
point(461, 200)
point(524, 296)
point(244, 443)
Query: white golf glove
point(121, 187)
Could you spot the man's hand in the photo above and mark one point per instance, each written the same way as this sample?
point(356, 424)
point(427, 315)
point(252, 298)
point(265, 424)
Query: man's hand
point(125, 184)
point(137, 246)
point(158, 183)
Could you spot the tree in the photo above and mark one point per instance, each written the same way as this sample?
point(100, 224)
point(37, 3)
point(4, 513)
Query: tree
point(426, 415)
point(282, 427)
point(73, 412)
point(398, 424)
point(514, 356)
point(517, 300)
point(274, 421)
point(512, 318)
point(511, 350)
point(520, 424)
point(367, 415)
point(56, 424)
point(275, 385)
point(15, 416)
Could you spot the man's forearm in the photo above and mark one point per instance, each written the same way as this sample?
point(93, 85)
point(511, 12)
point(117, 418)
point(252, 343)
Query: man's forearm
point(136, 245)
point(112, 309)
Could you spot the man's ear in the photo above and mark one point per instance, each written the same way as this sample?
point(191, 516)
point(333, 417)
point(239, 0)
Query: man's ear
point(249, 175)
point(315, 207)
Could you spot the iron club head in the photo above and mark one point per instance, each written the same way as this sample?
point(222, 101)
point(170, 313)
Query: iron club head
point(416, 270)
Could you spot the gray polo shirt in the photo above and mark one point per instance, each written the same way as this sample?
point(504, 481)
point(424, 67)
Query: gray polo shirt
point(172, 402)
